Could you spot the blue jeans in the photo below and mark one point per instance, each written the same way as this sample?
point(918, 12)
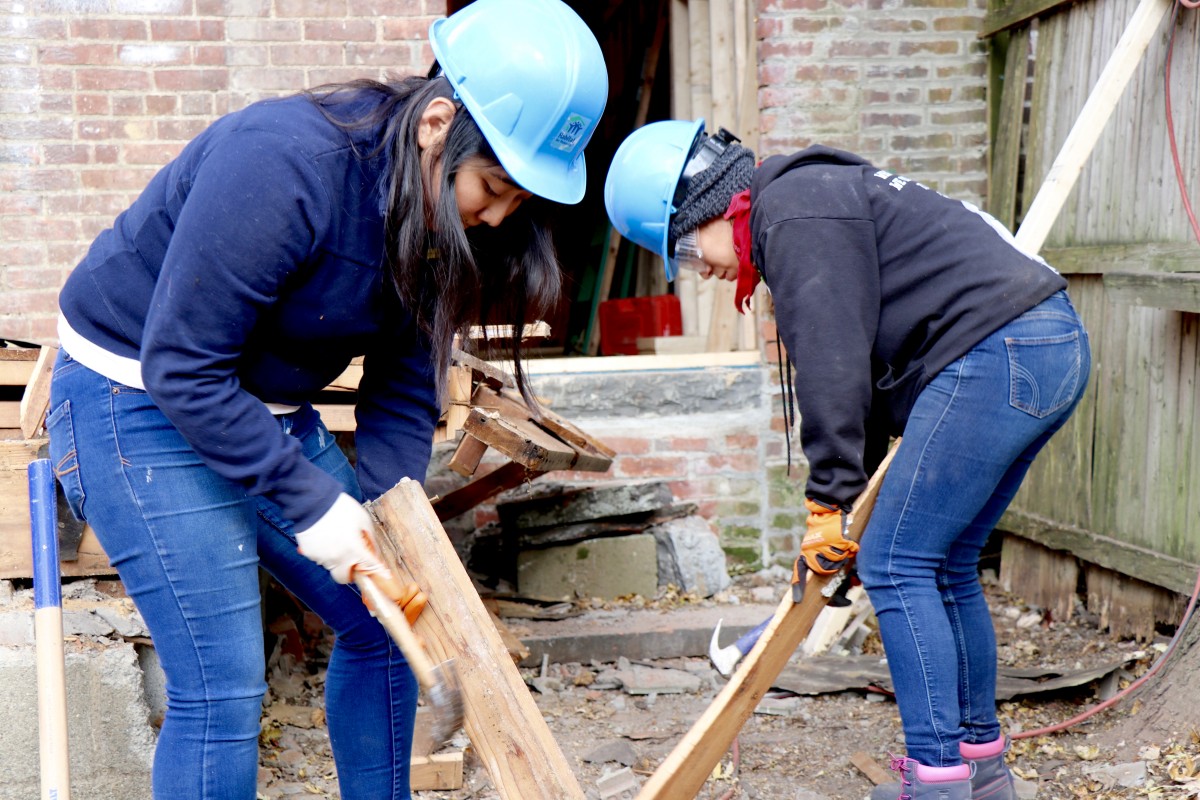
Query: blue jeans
point(187, 544)
point(971, 437)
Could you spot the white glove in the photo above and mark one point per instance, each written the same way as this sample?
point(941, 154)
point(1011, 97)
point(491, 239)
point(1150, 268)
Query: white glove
point(343, 541)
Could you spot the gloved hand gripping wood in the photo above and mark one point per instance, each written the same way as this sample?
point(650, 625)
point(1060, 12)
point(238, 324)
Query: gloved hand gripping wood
point(825, 548)
point(342, 541)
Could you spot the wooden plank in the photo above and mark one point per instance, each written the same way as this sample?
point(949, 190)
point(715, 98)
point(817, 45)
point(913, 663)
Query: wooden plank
point(870, 767)
point(1006, 151)
point(1124, 257)
point(337, 417)
point(16, 555)
point(520, 440)
point(1176, 291)
point(1016, 13)
point(36, 400)
point(10, 414)
point(458, 397)
point(437, 772)
point(1129, 608)
point(1105, 551)
point(467, 456)
point(1041, 576)
point(16, 372)
point(685, 770)
point(1090, 124)
point(502, 721)
point(592, 454)
point(485, 372)
point(534, 330)
point(464, 498)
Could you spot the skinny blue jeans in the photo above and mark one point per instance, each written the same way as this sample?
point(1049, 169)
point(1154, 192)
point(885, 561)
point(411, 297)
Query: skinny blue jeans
point(972, 436)
point(188, 545)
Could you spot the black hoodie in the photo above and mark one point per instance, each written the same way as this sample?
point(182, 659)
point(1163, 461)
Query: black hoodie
point(878, 283)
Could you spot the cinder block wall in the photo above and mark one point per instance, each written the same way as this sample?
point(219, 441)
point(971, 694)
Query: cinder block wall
point(96, 95)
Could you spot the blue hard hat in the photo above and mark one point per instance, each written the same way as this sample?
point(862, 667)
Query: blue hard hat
point(533, 77)
point(639, 191)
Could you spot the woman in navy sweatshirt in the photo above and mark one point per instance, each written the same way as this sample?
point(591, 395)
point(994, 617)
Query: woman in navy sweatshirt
point(904, 313)
point(285, 240)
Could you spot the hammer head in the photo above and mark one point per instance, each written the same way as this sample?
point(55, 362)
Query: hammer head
point(445, 702)
point(723, 659)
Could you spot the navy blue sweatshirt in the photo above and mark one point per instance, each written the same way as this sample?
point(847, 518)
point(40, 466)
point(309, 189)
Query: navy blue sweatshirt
point(878, 283)
point(250, 271)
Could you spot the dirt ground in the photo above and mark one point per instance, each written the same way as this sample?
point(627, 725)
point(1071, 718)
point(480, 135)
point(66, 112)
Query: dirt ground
point(804, 752)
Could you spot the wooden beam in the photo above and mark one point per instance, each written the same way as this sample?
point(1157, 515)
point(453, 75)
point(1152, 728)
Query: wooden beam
point(520, 440)
point(502, 721)
point(1176, 291)
point(1064, 172)
point(1097, 548)
point(1130, 257)
point(464, 498)
point(36, 400)
point(467, 456)
point(1006, 150)
point(685, 770)
point(437, 772)
point(1016, 13)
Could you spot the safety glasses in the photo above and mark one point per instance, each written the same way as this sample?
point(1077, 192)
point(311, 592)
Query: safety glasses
point(688, 254)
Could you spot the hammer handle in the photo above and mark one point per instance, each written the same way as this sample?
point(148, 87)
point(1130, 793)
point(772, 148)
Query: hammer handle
point(396, 624)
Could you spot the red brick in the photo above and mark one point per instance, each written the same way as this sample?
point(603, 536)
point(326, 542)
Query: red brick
point(730, 463)
point(154, 154)
point(161, 103)
point(187, 30)
point(16, 54)
point(106, 154)
point(374, 9)
point(745, 441)
point(943, 48)
point(308, 54)
point(20, 204)
point(113, 79)
point(88, 104)
point(123, 30)
point(56, 104)
point(32, 279)
point(400, 28)
point(625, 445)
point(891, 120)
point(35, 128)
point(23, 26)
point(26, 254)
point(18, 103)
point(649, 467)
point(39, 229)
point(66, 153)
point(196, 104)
point(37, 180)
point(270, 80)
point(340, 30)
point(185, 80)
point(123, 178)
point(129, 105)
point(263, 30)
point(313, 8)
point(180, 129)
point(859, 49)
point(696, 444)
point(210, 55)
point(886, 24)
point(92, 54)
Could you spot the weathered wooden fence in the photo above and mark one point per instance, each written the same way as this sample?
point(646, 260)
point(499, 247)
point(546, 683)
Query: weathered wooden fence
point(1119, 487)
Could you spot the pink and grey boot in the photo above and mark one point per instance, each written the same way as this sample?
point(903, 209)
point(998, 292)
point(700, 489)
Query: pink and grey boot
point(991, 779)
point(920, 782)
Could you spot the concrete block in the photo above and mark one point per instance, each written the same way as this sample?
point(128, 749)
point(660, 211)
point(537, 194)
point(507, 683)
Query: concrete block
point(608, 568)
point(16, 628)
point(555, 504)
point(110, 739)
point(690, 556)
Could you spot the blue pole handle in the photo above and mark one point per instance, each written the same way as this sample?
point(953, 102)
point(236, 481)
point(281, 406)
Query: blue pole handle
point(747, 640)
point(43, 513)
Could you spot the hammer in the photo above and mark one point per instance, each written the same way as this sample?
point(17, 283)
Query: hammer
point(440, 681)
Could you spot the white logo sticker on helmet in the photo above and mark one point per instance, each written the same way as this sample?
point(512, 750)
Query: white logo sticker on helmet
point(571, 132)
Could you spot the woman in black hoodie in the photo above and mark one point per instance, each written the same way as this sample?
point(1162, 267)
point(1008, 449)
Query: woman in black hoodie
point(904, 313)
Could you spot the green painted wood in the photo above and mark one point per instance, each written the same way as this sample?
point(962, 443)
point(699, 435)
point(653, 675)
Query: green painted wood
point(1173, 290)
point(1012, 14)
point(1006, 150)
point(1096, 548)
point(1125, 257)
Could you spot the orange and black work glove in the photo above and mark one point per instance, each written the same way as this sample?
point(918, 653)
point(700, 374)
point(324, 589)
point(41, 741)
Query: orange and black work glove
point(825, 547)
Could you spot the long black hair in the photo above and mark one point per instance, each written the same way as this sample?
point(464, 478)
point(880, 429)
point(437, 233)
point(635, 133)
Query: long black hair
point(446, 276)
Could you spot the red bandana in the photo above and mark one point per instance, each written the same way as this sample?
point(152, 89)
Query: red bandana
point(747, 278)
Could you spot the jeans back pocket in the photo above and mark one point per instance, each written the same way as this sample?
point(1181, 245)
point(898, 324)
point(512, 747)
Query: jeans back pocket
point(1044, 372)
point(65, 458)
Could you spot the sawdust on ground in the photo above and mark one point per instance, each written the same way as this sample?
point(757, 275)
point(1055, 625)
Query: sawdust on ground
point(803, 754)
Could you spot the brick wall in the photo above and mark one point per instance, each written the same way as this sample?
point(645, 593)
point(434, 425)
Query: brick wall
point(95, 95)
point(900, 82)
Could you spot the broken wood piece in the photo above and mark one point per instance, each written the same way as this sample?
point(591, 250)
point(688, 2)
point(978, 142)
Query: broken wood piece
point(685, 770)
point(458, 398)
point(870, 767)
point(436, 772)
point(484, 371)
point(35, 402)
point(516, 648)
point(464, 498)
point(501, 719)
point(520, 440)
point(535, 330)
point(593, 455)
point(467, 456)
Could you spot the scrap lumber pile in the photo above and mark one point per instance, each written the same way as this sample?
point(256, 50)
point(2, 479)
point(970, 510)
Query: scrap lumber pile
point(612, 540)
